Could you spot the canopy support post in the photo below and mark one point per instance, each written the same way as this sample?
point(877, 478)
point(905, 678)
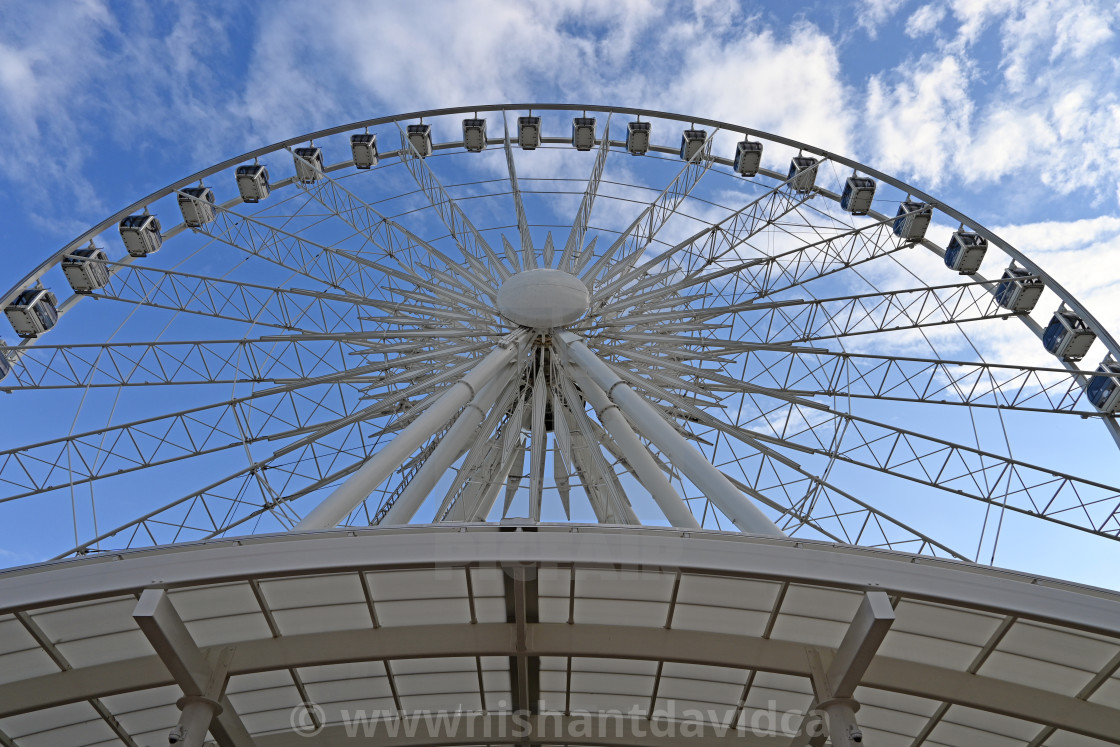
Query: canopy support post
point(203, 680)
point(833, 688)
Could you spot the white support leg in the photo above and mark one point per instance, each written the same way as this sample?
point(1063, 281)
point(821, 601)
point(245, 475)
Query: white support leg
point(742, 512)
point(336, 506)
point(194, 722)
point(537, 446)
point(649, 474)
point(445, 454)
point(481, 510)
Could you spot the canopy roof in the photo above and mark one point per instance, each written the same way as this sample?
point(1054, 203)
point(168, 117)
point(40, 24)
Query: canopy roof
point(558, 620)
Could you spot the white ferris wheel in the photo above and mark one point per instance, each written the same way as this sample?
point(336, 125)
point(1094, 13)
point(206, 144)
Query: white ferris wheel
point(748, 336)
point(543, 318)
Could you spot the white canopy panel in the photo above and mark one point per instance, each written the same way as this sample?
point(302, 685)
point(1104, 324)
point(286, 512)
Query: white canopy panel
point(477, 622)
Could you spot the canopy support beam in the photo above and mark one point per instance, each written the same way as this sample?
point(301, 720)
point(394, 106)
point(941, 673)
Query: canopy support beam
point(204, 705)
point(834, 687)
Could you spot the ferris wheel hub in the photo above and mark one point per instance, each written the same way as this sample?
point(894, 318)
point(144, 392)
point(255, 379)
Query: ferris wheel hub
point(543, 298)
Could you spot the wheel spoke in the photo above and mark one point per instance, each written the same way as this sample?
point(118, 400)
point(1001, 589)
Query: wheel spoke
point(336, 268)
point(812, 320)
point(1007, 387)
point(473, 246)
point(1030, 489)
point(185, 363)
point(528, 253)
point(709, 246)
point(141, 444)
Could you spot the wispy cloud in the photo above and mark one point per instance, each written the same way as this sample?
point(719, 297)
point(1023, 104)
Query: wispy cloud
point(1030, 99)
point(873, 13)
point(925, 20)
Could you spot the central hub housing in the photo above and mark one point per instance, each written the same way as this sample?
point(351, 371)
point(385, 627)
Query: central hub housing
point(543, 298)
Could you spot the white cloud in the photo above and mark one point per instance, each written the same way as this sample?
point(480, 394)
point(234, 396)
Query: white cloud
point(45, 76)
point(1079, 31)
point(925, 20)
point(79, 84)
point(740, 80)
point(996, 145)
point(873, 13)
point(394, 60)
point(1040, 108)
point(975, 16)
point(635, 53)
point(1029, 102)
point(919, 117)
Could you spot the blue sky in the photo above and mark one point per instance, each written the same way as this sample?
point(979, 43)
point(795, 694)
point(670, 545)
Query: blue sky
point(1008, 110)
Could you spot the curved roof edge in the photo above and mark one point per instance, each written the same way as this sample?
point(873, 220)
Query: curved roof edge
point(954, 582)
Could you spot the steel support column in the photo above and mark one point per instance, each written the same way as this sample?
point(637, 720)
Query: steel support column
point(336, 506)
point(649, 474)
point(834, 687)
point(714, 484)
point(445, 454)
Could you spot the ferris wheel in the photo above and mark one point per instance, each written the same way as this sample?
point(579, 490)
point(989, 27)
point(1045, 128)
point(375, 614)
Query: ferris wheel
point(553, 313)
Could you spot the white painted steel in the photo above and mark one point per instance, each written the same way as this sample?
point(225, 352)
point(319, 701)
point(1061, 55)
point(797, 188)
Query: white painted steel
point(347, 496)
point(640, 319)
point(450, 447)
point(543, 297)
point(829, 579)
point(715, 486)
point(649, 474)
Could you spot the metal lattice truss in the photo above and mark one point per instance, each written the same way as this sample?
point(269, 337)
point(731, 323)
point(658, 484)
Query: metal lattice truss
point(748, 355)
